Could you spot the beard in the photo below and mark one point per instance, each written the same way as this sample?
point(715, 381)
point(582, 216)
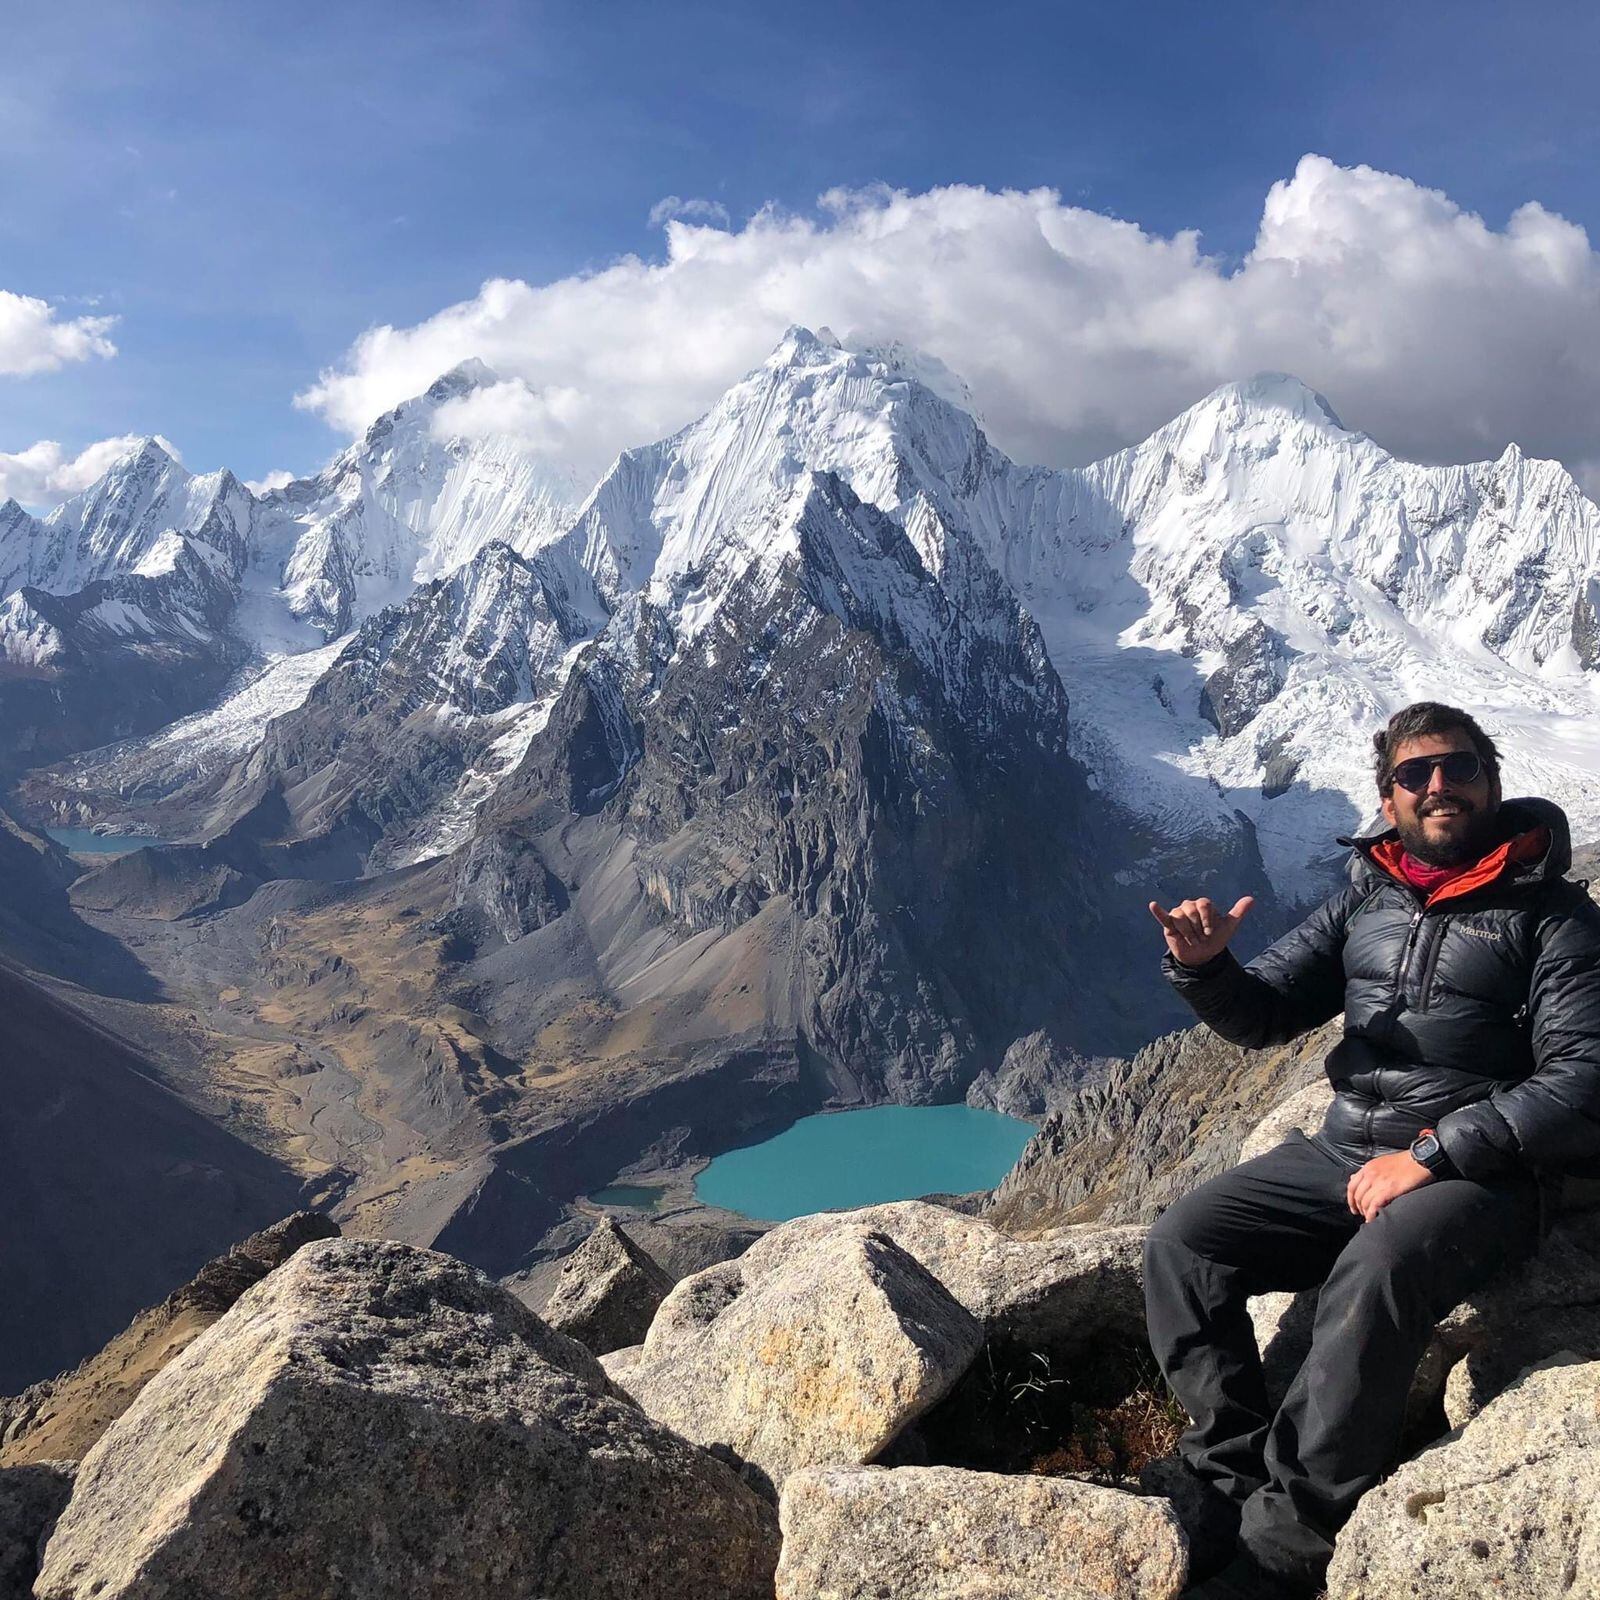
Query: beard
point(1474, 835)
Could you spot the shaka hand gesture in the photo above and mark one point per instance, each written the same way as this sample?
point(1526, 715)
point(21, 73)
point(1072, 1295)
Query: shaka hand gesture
point(1196, 930)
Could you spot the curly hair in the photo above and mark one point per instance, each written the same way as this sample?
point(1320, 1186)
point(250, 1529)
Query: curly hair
point(1416, 722)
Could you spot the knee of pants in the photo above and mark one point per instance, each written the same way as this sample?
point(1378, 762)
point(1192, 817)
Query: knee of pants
point(1171, 1228)
point(1379, 1258)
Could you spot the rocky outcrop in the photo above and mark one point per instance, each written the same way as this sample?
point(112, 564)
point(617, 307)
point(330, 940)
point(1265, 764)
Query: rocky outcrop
point(378, 1419)
point(823, 1360)
point(31, 1498)
point(1065, 1290)
point(61, 1418)
point(1252, 672)
point(1550, 1305)
point(938, 1533)
point(608, 1291)
point(1505, 1506)
point(692, 1307)
point(1035, 1075)
point(1151, 1129)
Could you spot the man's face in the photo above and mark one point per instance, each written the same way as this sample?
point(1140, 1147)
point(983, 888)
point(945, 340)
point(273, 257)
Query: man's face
point(1445, 824)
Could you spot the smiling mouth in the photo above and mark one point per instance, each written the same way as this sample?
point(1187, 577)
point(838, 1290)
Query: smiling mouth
point(1445, 811)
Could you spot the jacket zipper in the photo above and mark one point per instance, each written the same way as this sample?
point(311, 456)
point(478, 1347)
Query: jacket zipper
point(1405, 956)
point(1402, 972)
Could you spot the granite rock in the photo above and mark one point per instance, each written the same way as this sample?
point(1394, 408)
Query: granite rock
point(1507, 1506)
point(940, 1533)
point(823, 1360)
point(1551, 1304)
point(608, 1291)
point(374, 1422)
point(1302, 1112)
point(1065, 1289)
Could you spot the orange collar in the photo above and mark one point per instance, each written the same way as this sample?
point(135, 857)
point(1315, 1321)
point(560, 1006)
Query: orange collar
point(1527, 846)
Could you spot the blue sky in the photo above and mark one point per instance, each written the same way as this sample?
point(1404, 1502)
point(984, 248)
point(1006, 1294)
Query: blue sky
point(247, 187)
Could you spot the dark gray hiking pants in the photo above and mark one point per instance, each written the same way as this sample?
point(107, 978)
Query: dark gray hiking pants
point(1281, 1222)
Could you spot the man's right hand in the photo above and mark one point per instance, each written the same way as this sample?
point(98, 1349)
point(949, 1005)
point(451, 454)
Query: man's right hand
point(1196, 930)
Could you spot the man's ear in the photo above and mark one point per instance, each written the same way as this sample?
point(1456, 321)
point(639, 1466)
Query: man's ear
point(1388, 810)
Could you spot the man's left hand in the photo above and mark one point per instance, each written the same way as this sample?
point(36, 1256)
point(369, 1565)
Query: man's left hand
point(1383, 1179)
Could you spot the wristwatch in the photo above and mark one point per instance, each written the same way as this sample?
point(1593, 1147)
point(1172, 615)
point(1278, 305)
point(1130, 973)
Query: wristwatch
point(1427, 1152)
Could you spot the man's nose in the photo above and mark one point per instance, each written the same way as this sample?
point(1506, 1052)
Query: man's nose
point(1436, 782)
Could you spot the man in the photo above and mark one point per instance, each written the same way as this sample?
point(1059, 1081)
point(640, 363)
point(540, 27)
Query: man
point(1468, 971)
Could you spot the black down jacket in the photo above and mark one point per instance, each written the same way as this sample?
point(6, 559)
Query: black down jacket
point(1477, 1014)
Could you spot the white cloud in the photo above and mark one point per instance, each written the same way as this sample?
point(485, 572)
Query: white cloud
point(44, 473)
point(276, 479)
point(32, 339)
point(673, 208)
point(547, 421)
point(1443, 337)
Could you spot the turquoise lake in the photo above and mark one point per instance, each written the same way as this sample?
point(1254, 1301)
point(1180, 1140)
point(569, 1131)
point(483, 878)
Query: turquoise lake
point(86, 843)
point(843, 1159)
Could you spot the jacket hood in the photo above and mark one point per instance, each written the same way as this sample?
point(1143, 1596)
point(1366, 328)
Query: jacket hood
point(1516, 817)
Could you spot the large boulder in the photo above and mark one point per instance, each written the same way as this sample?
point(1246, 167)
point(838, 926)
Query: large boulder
point(939, 1533)
point(378, 1421)
point(1067, 1288)
point(1507, 1506)
point(824, 1359)
point(691, 1308)
point(608, 1291)
point(61, 1418)
point(31, 1499)
point(1547, 1306)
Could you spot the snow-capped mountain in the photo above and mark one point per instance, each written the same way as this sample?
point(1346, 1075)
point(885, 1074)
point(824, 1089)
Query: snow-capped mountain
point(406, 730)
point(1247, 595)
point(404, 505)
point(246, 580)
point(115, 525)
point(1233, 604)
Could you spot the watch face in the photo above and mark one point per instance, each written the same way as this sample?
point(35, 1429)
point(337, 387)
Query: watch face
point(1425, 1149)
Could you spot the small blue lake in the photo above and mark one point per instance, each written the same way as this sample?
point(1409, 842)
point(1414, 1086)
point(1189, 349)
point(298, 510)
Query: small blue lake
point(629, 1196)
point(84, 842)
point(843, 1159)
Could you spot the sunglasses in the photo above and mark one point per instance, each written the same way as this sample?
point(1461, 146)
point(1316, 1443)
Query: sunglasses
point(1459, 767)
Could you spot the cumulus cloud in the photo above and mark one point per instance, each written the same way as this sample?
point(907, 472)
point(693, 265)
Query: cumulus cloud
point(276, 479)
point(44, 473)
point(1441, 335)
point(33, 339)
point(547, 420)
point(673, 208)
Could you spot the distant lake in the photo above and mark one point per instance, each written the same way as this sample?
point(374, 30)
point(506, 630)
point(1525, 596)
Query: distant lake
point(632, 1196)
point(844, 1159)
point(87, 843)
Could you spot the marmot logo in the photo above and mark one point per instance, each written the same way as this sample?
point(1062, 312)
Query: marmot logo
point(1490, 934)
